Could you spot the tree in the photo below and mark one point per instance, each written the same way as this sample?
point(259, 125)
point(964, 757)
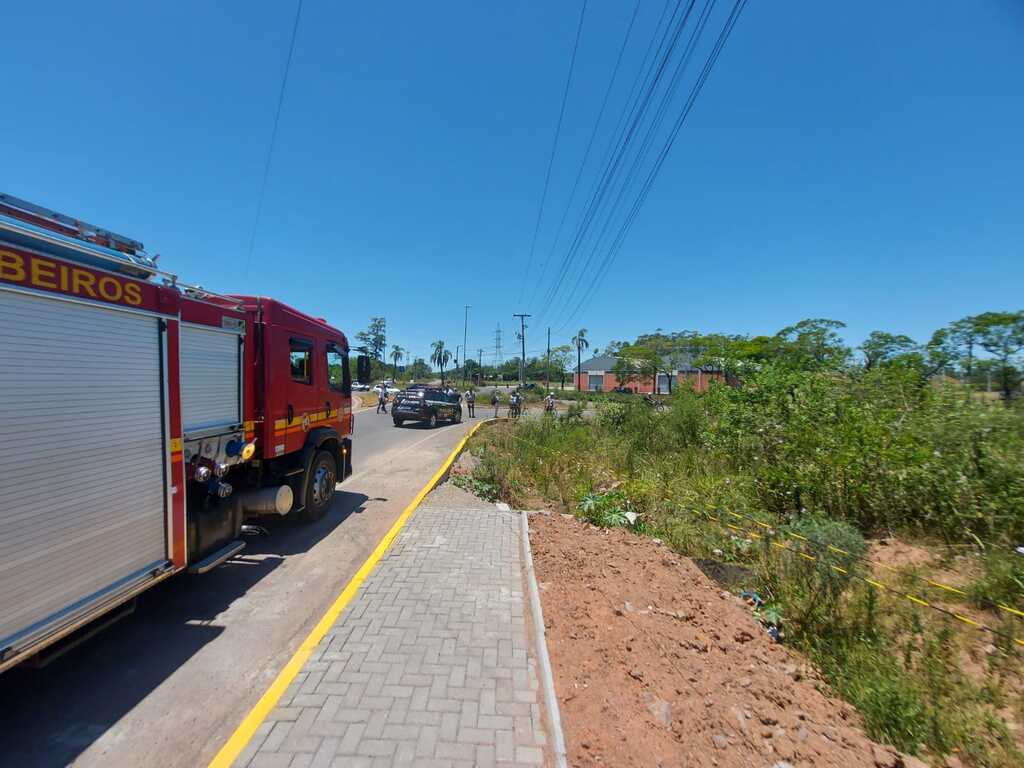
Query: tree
point(418, 369)
point(373, 338)
point(988, 370)
point(396, 356)
point(939, 353)
point(581, 343)
point(963, 336)
point(637, 363)
point(561, 359)
point(1001, 334)
point(440, 357)
point(881, 347)
point(812, 343)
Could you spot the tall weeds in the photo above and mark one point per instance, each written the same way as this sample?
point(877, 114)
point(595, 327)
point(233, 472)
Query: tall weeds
point(832, 457)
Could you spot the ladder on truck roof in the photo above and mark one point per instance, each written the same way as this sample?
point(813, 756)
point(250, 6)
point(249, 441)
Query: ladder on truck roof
point(24, 223)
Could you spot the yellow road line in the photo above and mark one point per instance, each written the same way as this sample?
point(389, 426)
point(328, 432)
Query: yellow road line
point(243, 733)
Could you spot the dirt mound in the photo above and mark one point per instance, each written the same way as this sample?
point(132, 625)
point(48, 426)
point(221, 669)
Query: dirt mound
point(656, 666)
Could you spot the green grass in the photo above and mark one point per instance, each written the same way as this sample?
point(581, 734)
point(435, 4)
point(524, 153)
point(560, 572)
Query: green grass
point(831, 458)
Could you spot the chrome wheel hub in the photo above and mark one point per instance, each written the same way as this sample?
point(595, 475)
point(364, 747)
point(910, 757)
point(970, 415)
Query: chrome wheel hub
point(323, 485)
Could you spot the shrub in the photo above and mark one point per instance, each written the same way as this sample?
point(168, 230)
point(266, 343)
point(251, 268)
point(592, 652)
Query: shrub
point(607, 510)
point(1002, 581)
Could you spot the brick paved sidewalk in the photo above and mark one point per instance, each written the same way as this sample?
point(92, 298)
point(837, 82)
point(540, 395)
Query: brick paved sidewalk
point(429, 665)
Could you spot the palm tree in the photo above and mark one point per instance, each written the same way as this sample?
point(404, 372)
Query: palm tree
point(440, 357)
point(396, 355)
point(580, 342)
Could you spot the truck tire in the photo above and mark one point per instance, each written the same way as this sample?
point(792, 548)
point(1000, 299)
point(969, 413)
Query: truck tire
point(432, 422)
point(398, 422)
point(458, 417)
point(323, 474)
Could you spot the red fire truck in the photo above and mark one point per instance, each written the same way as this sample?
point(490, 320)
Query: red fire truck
point(142, 421)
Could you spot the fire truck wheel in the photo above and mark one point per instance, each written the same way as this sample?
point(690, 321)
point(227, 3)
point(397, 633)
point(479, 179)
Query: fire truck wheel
point(323, 474)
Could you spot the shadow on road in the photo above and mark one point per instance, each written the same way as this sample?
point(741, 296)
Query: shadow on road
point(53, 714)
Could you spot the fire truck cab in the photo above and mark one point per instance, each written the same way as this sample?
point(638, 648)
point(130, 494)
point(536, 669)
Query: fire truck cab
point(142, 421)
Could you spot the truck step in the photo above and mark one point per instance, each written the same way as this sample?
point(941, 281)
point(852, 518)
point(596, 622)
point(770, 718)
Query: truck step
point(218, 557)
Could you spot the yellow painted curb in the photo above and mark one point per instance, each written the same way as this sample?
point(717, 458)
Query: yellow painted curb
point(243, 733)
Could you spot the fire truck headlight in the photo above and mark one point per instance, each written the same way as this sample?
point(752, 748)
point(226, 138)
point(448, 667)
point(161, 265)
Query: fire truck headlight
point(220, 469)
point(202, 473)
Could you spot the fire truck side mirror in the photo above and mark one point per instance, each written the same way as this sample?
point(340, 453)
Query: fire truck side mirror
point(363, 369)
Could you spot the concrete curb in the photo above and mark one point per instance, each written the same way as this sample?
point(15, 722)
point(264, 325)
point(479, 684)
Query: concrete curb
point(547, 678)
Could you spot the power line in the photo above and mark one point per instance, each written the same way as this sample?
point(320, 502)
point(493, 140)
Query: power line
point(663, 154)
point(651, 132)
point(639, 112)
point(273, 137)
point(554, 147)
point(614, 137)
point(644, 85)
point(586, 153)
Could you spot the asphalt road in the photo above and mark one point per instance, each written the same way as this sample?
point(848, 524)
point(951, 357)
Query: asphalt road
point(168, 684)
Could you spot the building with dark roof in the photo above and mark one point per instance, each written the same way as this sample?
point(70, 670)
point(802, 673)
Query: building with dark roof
point(596, 375)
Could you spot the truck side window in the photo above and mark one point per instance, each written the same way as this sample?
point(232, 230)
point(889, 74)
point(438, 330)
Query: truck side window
point(300, 353)
point(338, 376)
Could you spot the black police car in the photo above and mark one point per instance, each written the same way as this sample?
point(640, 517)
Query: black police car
point(429, 405)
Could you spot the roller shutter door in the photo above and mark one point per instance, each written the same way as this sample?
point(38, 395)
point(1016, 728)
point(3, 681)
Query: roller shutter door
point(209, 378)
point(82, 501)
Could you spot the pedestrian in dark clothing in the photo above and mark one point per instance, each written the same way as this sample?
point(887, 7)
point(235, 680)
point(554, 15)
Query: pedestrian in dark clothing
point(471, 403)
point(495, 401)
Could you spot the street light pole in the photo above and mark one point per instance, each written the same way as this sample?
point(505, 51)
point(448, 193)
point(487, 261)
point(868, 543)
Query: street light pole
point(465, 349)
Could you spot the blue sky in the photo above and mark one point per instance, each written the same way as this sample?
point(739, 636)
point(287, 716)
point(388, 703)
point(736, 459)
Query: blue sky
point(858, 161)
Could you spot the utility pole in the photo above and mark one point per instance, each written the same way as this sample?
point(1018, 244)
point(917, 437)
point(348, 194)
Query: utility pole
point(522, 338)
point(465, 349)
point(480, 363)
point(547, 363)
point(497, 346)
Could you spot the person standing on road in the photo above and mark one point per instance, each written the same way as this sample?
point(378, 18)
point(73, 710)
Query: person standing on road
point(382, 400)
point(495, 401)
point(471, 403)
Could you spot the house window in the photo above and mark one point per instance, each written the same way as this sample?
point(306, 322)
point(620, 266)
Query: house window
point(595, 382)
point(300, 353)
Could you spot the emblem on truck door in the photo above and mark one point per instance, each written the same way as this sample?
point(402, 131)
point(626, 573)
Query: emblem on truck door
point(305, 422)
